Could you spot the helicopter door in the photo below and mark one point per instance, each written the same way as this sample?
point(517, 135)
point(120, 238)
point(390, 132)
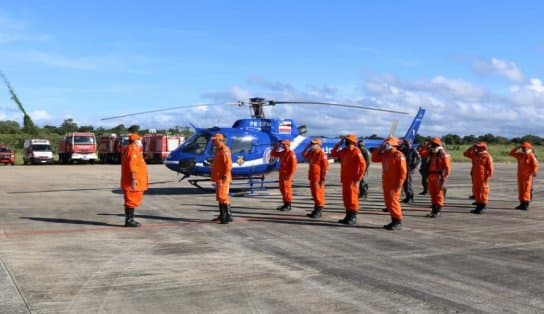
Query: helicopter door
point(242, 149)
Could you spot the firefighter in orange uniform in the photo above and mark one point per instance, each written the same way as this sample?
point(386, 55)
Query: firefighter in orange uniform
point(352, 170)
point(394, 172)
point(318, 166)
point(527, 169)
point(221, 175)
point(134, 179)
point(439, 170)
point(482, 171)
point(288, 166)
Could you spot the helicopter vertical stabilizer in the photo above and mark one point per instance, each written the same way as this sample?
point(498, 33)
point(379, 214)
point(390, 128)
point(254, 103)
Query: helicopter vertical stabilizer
point(414, 127)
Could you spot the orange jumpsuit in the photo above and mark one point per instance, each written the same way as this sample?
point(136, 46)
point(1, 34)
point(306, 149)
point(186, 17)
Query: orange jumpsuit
point(482, 171)
point(394, 173)
point(527, 168)
point(288, 166)
point(319, 165)
point(133, 165)
point(221, 173)
point(439, 170)
point(353, 168)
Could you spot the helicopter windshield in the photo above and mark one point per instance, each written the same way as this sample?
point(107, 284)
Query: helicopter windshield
point(196, 144)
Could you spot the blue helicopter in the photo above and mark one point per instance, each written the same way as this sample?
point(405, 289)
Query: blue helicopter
point(251, 141)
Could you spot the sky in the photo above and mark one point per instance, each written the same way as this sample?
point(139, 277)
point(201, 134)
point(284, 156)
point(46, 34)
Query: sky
point(475, 66)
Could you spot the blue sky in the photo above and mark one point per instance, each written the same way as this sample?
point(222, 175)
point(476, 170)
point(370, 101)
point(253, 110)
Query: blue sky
point(476, 66)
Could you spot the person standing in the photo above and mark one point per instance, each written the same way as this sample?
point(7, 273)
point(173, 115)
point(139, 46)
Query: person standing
point(134, 178)
point(318, 166)
point(527, 169)
point(412, 162)
point(221, 175)
point(352, 170)
point(394, 173)
point(363, 186)
point(482, 171)
point(439, 170)
point(423, 150)
point(288, 166)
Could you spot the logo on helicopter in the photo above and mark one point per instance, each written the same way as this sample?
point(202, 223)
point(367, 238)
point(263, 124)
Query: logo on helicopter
point(240, 160)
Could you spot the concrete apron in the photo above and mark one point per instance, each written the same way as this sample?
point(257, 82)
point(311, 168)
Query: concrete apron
point(11, 300)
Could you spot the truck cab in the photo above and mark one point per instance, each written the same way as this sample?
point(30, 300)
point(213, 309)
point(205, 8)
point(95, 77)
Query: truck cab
point(7, 156)
point(37, 151)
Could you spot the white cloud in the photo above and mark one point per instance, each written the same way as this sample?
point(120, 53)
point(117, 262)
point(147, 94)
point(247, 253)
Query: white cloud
point(499, 67)
point(40, 115)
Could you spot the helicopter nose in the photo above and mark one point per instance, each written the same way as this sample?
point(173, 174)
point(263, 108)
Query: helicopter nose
point(186, 165)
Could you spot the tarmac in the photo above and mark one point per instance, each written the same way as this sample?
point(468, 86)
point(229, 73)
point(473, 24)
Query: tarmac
point(63, 248)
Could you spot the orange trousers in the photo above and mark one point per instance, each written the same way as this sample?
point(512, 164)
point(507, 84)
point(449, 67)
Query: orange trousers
point(525, 188)
point(286, 190)
point(350, 195)
point(222, 192)
point(133, 199)
point(391, 196)
point(480, 190)
point(437, 193)
point(318, 193)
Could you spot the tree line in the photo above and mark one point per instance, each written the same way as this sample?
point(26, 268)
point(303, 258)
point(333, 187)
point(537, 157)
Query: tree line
point(13, 134)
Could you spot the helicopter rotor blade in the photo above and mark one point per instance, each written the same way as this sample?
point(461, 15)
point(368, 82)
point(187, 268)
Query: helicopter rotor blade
point(156, 110)
point(273, 102)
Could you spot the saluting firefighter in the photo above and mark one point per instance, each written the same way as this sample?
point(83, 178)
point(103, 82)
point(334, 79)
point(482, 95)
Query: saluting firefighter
point(352, 170)
point(527, 169)
point(318, 166)
point(394, 172)
point(288, 166)
point(439, 170)
point(134, 179)
point(482, 171)
point(221, 175)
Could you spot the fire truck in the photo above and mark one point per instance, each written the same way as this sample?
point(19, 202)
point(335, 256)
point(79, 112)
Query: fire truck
point(7, 156)
point(110, 148)
point(158, 146)
point(77, 146)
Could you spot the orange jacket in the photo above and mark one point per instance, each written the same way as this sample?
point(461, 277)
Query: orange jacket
point(352, 161)
point(439, 163)
point(394, 169)
point(288, 162)
point(319, 164)
point(222, 164)
point(527, 163)
point(482, 165)
point(133, 165)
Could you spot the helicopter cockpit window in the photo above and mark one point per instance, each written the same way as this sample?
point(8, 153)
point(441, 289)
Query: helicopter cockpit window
point(196, 144)
point(241, 145)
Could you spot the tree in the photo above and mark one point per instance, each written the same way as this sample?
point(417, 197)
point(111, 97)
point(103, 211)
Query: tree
point(469, 139)
point(134, 128)
point(86, 128)
point(9, 127)
point(451, 139)
point(69, 125)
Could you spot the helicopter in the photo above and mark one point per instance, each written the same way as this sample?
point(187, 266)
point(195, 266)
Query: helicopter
point(251, 141)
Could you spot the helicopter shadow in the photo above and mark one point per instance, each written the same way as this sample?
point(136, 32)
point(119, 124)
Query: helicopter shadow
point(71, 221)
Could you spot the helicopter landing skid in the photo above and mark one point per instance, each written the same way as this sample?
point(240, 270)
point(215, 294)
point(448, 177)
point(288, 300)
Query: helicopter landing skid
point(252, 182)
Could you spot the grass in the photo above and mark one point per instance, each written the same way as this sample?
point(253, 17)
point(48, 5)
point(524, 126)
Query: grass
point(497, 151)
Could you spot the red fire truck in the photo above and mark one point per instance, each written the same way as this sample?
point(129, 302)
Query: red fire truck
point(158, 146)
point(7, 156)
point(78, 146)
point(110, 148)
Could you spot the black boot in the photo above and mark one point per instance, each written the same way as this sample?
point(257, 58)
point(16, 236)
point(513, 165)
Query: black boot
point(228, 213)
point(221, 217)
point(435, 211)
point(394, 225)
point(423, 193)
point(286, 207)
point(129, 218)
point(523, 206)
point(350, 219)
point(479, 209)
point(408, 199)
point(316, 213)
